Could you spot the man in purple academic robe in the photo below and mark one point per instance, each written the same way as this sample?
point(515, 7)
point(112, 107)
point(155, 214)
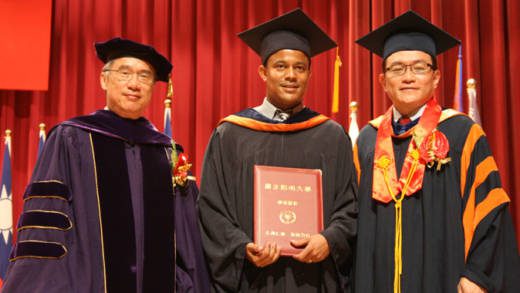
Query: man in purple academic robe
point(101, 211)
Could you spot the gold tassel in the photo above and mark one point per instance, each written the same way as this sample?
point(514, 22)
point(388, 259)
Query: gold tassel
point(398, 242)
point(335, 93)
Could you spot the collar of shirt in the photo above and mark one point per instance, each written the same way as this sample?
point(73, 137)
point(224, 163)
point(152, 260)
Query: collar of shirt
point(267, 109)
point(396, 115)
point(270, 111)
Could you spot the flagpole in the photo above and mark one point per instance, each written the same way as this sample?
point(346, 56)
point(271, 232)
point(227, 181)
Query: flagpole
point(457, 95)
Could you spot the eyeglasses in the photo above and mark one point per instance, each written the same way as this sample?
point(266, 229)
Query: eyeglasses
point(418, 68)
point(144, 77)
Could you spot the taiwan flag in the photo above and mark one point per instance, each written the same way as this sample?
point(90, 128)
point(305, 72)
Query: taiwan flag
point(6, 209)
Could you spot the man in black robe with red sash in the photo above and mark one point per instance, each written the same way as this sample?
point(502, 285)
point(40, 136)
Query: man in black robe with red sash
point(280, 132)
point(101, 210)
point(433, 216)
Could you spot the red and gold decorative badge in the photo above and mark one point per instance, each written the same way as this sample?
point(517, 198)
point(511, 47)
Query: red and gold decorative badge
point(180, 171)
point(434, 150)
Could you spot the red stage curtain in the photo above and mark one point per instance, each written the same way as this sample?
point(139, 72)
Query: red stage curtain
point(215, 74)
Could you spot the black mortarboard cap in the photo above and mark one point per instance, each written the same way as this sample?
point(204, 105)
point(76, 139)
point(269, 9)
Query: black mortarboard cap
point(293, 30)
point(117, 47)
point(409, 31)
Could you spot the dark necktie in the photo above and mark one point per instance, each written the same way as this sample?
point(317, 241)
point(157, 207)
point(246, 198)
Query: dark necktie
point(280, 116)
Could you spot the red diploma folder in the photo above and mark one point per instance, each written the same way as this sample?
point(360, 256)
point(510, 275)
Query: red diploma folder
point(287, 205)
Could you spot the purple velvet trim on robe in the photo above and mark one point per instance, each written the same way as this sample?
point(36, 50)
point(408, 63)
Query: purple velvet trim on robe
point(116, 213)
point(33, 249)
point(139, 131)
point(118, 222)
point(44, 219)
point(159, 221)
point(47, 189)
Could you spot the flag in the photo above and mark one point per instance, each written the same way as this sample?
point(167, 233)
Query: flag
point(473, 112)
point(167, 108)
point(167, 128)
point(335, 93)
point(42, 138)
point(353, 128)
point(167, 117)
point(457, 95)
point(6, 208)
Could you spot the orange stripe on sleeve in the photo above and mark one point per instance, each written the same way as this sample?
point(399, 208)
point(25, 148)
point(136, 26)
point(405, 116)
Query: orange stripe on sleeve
point(356, 162)
point(473, 136)
point(494, 198)
point(281, 127)
point(468, 218)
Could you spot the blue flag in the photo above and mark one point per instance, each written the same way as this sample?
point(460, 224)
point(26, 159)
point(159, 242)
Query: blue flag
point(6, 209)
point(167, 118)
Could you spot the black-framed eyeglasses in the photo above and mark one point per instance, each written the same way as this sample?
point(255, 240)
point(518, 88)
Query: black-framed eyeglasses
point(418, 68)
point(144, 77)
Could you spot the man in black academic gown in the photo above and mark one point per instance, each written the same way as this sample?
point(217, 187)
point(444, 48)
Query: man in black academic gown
point(433, 216)
point(279, 132)
point(101, 210)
